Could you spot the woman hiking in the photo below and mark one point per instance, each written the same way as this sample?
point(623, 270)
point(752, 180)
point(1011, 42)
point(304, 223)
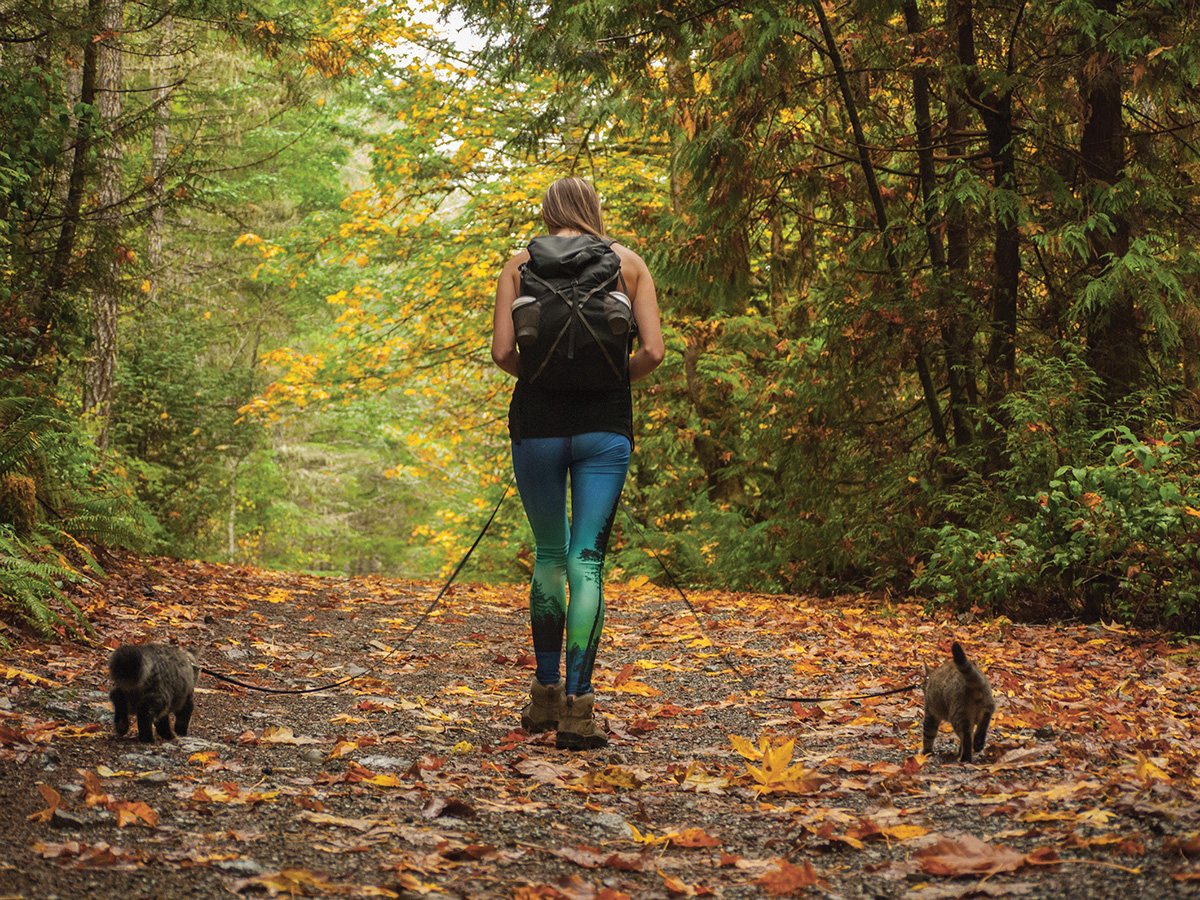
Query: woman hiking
point(578, 298)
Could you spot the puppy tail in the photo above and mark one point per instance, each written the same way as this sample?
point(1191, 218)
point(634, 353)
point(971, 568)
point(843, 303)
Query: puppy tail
point(969, 672)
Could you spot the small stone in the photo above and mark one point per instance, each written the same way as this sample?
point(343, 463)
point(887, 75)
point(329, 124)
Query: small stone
point(68, 711)
point(62, 818)
point(611, 823)
point(384, 762)
point(192, 744)
point(144, 762)
point(245, 867)
point(48, 760)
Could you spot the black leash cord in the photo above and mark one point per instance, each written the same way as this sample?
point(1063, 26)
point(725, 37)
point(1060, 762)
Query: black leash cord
point(728, 663)
point(725, 658)
point(229, 679)
point(899, 690)
point(420, 621)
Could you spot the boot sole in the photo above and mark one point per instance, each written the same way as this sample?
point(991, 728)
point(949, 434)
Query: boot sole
point(569, 741)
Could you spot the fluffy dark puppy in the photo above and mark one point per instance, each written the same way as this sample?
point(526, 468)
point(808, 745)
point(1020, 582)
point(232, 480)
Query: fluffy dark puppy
point(959, 693)
point(152, 681)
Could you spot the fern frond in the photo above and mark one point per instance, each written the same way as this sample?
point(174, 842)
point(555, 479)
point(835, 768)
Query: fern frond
point(31, 588)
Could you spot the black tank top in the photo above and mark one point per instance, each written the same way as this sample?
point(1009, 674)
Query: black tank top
point(539, 412)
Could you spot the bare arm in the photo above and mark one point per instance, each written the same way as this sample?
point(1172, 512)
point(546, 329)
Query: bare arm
point(650, 350)
point(504, 337)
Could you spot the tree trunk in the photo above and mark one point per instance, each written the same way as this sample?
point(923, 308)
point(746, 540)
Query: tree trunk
point(995, 111)
point(231, 519)
point(1114, 347)
point(100, 367)
point(932, 220)
point(937, 423)
point(958, 261)
point(45, 307)
point(158, 160)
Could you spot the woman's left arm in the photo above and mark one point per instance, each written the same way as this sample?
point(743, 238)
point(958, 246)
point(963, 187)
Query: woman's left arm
point(504, 336)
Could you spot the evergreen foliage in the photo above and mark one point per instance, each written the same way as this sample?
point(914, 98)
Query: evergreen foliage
point(928, 277)
point(77, 503)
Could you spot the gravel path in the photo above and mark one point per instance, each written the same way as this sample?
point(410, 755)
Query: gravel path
point(414, 780)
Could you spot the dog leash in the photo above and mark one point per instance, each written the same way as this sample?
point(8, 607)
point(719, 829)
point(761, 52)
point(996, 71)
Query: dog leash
point(420, 621)
point(899, 690)
point(725, 660)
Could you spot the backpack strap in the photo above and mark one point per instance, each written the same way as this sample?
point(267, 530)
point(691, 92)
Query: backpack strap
point(574, 306)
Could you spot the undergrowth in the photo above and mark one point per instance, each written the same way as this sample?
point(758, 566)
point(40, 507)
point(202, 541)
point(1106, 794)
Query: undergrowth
point(79, 504)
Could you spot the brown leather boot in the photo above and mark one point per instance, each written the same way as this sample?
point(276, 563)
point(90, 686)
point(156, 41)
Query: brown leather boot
point(576, 730)
point(545, 706)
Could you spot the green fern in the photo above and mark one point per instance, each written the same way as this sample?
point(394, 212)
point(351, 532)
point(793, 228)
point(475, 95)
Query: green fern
point(38, 439)
point(31, 587)
point(26, 417)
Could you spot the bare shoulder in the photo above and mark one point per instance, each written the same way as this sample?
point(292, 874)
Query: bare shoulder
point(516, 261)
point(629, 258)
point(510, 275)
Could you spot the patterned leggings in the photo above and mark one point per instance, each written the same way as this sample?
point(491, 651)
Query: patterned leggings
point(569, 552)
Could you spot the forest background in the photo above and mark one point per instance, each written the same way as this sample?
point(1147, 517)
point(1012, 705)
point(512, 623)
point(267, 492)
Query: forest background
point(928, 277)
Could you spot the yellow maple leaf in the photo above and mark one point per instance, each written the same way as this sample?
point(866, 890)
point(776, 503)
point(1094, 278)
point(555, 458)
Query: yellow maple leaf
point(905, 832)
point(745, 748)
point(636, 687)
point(1148, 770)
point(778, 774)
point(282, 734)
point(646, 838)
point(1095, 816)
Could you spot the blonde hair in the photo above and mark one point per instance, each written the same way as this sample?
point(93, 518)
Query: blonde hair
point(572, 203)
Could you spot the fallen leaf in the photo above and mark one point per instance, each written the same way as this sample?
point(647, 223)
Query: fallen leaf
point(443, 806)
point(292, 882)
point(282, 734)
point(694, 837)
point(53, 800)
point(970, 856)
point(129, 813)
point(788, 879)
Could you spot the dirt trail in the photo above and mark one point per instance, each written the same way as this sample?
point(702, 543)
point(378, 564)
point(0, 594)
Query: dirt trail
point(415, 780)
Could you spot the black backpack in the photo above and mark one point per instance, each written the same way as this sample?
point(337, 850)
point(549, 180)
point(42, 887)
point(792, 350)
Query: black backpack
point(574, 327)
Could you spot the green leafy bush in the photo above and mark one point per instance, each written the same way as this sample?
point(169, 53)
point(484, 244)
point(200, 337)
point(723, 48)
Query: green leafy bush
point(78, 501)
point(1119, 538)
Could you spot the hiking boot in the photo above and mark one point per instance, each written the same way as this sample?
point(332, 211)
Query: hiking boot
point(545, 706)
point(576, 730)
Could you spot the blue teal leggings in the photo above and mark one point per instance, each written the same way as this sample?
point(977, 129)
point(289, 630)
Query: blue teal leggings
point(569, 553)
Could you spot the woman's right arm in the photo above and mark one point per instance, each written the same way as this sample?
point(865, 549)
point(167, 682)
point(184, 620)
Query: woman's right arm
point(650, 349)
point(504, 336)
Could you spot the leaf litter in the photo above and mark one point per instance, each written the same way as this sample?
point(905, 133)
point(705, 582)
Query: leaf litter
point(416, 781)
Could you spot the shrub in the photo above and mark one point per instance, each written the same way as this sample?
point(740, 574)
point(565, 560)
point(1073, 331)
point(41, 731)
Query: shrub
point(47, 459)
point(1119, 538)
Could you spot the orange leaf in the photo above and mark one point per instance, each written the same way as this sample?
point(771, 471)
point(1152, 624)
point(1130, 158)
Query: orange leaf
point(129, 813)
point(53, 800)
point(971, 856)
point(694, 837)
point(789, 879)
